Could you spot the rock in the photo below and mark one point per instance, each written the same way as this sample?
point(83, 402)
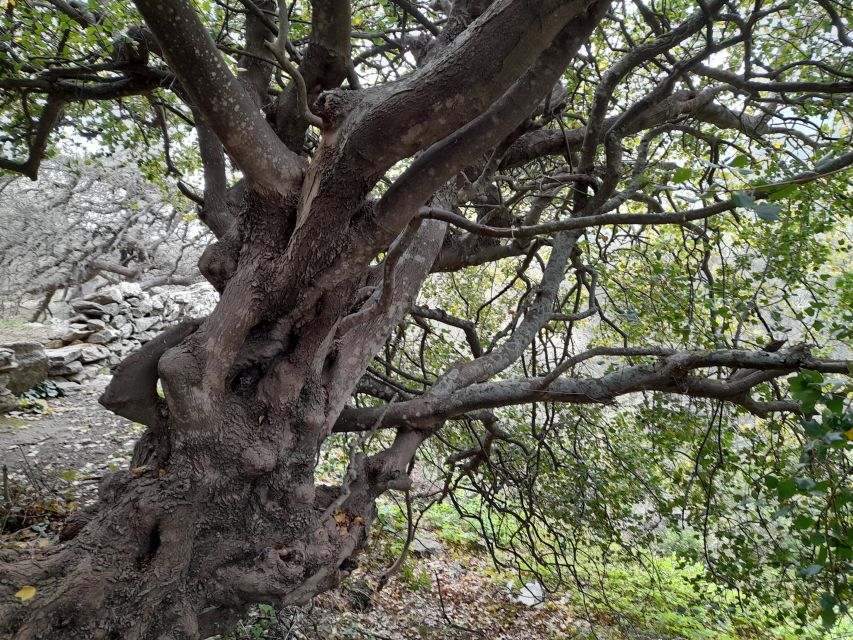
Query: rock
point(94, 353)
point(66, 387)
point(582, 627)
point(142, 308)
point(108, 295)
point(7, 359)
point(144, 324)
point(531, 594)
point(130, 289)
point(87, 373)
point(113, 309)
point(64, 355)
point(32, 368)
point(126, 331)
point(95, 325)
point(8, 402)
point(69, 369)
point(119, 321)
point(100, 382)
point(54, 344)
point(103, 337)
point(76, 332)
point(425, 544)
point(88, 308)
point(113, 361)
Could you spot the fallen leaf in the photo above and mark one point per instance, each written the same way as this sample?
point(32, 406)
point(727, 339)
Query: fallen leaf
point(25, 593)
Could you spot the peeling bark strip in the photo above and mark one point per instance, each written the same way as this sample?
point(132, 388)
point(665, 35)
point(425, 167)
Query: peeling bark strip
point(317, 274)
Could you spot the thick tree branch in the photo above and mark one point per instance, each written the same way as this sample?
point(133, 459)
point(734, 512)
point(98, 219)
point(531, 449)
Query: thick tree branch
point(219, 96)
point(670, 374)
point(132, 393)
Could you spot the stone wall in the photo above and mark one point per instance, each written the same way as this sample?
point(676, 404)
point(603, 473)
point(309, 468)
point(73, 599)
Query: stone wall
point(107, 326)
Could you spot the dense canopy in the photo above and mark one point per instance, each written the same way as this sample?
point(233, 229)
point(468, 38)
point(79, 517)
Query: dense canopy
point(586, 263)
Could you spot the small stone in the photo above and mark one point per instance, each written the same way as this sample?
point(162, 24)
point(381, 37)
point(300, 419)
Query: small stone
point(94, 353)
point(76, 332)
point(130, 289)
point(88, 308)
point(67, 387)
point(426, 544)
point(106, 296)
point(68, 369)
point(103, 337)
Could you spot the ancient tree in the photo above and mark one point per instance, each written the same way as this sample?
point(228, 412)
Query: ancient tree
point(595, 164)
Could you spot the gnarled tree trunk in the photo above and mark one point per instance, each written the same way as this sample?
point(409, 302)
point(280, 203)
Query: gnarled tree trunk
point(220, 507)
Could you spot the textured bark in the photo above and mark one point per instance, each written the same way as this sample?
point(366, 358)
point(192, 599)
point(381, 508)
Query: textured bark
point(220, 508)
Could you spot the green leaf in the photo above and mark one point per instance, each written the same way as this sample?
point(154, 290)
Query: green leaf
point(783, 192)
point(811, 570)
point(743, 200)
point(682, 175)
point(786, 488)
point(739, 162)
point(827, 609)
point(766, 211)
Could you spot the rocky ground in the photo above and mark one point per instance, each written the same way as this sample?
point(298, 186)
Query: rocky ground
point(74, 440)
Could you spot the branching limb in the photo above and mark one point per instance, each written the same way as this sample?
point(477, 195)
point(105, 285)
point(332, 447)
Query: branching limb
point(132, 393)
point(229, 111)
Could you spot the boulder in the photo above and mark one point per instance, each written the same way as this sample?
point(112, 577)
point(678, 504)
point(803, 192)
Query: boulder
point(86, 374)
point(8, 402)
point(426, 544)
point(32, 368)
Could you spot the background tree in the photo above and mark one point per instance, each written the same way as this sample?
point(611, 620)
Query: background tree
point(638, 187)
point(90, 223)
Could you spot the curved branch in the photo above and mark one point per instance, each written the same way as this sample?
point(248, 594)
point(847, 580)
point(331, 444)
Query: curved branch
point(132, 393)
point(219, 96)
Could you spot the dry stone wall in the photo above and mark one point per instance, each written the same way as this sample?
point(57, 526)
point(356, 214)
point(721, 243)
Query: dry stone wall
point(105, 327)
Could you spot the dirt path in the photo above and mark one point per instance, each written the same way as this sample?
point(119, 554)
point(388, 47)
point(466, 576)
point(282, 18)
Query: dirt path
point(76, 440)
